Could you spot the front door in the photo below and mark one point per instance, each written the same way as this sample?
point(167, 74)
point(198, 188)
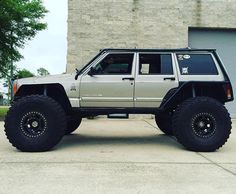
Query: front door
point(112, 82)
point(155, 76)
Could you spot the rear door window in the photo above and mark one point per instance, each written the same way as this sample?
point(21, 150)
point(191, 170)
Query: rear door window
point(155, 64)
point(196, 64)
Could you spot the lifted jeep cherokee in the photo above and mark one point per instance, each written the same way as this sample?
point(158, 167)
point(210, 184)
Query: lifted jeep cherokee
point(185, 89)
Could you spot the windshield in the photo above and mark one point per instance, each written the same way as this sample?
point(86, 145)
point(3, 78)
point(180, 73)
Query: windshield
point(80, 71)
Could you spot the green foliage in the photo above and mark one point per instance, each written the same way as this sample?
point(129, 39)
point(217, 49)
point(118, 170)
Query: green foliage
point(42, 72)
point(19, 74)
point(3, 112)
point(20, 20)
point(23, 73)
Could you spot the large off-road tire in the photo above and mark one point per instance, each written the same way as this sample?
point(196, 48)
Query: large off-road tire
point(72, 125)
point(202, 124)
point(164, 123)
point(35, 123)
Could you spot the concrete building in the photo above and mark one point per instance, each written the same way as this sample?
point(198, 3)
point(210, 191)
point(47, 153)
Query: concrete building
point(97, 24)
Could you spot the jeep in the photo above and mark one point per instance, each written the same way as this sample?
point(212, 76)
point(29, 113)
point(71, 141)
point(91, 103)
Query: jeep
point(185, 89)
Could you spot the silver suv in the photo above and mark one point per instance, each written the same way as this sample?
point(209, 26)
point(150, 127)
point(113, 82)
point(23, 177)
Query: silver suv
point(185, 89)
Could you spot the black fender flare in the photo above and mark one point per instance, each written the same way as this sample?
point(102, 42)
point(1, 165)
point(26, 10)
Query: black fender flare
point(188, 90)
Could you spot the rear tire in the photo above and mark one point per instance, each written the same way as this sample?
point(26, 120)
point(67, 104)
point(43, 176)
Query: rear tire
point(72, 125)
point(202, 124)
point(35, 123)
point(164, 122)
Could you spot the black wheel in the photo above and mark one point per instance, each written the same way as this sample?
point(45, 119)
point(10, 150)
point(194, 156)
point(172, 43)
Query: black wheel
point(72, 125)
point(202, 124)
point(164, 122)
point(35, 123)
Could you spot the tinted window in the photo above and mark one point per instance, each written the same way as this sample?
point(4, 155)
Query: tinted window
point(115, 64)
point(196, 64)
point(155, 64)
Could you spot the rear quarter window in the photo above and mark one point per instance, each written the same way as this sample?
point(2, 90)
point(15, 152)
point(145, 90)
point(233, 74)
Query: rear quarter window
point(196, 64)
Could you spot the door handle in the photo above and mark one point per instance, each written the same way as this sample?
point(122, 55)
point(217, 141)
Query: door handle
point(170, 78)
point(128, 78)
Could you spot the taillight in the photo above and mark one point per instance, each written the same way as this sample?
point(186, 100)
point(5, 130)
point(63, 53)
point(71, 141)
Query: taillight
point(228, 91)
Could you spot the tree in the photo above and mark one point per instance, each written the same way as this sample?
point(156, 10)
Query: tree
point(19, 74)
point(23, 73)
point(42, 72)
point(20, 22)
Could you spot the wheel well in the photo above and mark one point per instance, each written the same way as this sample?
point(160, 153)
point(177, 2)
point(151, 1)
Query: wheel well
point(216, 90)
point(55, 91)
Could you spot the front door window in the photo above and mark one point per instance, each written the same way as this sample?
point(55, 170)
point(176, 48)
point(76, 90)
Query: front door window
point(115, 64)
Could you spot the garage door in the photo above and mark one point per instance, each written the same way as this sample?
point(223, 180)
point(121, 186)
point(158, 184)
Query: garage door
point(225, 43)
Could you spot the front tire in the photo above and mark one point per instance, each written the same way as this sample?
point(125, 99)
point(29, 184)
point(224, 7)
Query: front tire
point(202, 124)
point(35, 123)
point(72, 125)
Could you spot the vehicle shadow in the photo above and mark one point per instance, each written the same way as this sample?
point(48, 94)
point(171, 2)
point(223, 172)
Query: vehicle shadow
point(74, 140)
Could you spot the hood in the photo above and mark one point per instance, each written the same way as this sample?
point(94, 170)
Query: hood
point(47, 79)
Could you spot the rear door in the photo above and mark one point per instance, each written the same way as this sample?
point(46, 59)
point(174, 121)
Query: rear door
point(155, 76)
point(113, 83)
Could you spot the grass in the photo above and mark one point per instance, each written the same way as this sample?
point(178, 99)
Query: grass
point(3, 112)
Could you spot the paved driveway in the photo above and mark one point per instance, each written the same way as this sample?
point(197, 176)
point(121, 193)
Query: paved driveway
point(118, 156)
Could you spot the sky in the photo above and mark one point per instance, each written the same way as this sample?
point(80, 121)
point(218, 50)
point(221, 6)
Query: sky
point(49, 48)
point(2, 89)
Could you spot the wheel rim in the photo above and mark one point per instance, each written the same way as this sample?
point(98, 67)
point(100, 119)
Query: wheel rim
point(33, 124)
point(204, 125)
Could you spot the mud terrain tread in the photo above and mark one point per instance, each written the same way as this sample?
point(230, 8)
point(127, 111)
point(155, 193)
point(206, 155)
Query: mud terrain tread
point(72, 125)
point(164, 123)
point(12, 114)
point(186, 107)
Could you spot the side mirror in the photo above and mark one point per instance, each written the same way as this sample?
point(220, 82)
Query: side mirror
point(92, 71)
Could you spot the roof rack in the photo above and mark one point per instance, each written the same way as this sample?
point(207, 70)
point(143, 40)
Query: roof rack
point(156, 50)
